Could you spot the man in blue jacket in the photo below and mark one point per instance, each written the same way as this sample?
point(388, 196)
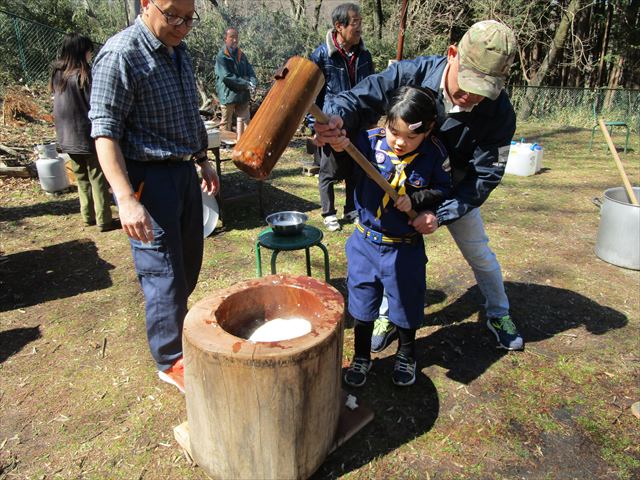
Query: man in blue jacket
point(476, 123)
point(235, 80)
point(345, 62)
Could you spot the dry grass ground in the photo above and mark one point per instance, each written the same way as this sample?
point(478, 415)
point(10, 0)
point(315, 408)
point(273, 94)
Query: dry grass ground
point(79, 397)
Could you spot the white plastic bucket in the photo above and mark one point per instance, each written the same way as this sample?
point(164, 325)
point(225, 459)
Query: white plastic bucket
point(522, 160)
point(52, 174)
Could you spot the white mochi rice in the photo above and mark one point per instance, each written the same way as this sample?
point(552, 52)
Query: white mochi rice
point(281, 329)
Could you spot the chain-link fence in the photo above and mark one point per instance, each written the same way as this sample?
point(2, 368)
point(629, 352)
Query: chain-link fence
point(578, 106)
point(27, 49)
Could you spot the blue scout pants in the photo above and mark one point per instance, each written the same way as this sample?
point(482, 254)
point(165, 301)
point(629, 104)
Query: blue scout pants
point(399, 270)
point(168, 267)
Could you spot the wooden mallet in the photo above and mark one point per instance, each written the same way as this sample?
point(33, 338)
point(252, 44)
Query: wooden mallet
point(291, 97)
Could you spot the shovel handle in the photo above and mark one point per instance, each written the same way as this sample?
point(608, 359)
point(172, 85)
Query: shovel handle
point(614, 152)
point(361, 160)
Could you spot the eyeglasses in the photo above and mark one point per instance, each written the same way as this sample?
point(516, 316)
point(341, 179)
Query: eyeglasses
point(177, 20)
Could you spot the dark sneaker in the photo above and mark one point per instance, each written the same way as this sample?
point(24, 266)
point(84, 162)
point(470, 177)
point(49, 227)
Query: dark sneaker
point(384, 332)
point(404, 371)
point(356, 374)
point(350, 217)
point(506, 333)
point(114, 225)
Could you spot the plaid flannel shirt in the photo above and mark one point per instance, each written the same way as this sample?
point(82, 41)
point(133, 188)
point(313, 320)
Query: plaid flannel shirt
point(144, 98)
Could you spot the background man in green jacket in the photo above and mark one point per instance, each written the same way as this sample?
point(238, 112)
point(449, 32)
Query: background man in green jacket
point(235, 80)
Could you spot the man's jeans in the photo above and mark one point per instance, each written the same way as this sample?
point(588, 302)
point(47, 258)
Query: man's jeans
point(468, 233)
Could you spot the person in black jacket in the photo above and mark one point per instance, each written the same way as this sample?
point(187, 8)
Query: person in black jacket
point(71, 86)
point(476, 123)
point(344, 61)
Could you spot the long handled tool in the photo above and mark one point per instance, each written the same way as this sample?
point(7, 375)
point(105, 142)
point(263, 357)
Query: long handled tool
point(361, 160)
point(292, 95)
point(616, 157)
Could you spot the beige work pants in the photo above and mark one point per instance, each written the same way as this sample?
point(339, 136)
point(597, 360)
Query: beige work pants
point(241, 110)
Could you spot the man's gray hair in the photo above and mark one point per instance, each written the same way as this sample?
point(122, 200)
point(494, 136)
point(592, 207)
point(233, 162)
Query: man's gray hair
point(340, 14)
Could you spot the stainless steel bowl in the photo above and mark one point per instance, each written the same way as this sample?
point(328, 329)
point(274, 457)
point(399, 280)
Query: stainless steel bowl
point(287, 223)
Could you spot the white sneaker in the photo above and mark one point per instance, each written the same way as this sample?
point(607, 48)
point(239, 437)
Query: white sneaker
point(331, 223)
point(351, 216)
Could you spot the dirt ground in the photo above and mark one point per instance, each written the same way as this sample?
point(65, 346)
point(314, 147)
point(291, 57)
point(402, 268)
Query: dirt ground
point(79, 396)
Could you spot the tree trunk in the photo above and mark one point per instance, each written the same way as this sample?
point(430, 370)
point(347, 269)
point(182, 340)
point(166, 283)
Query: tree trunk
point(549, 60)
point(605, 44)
point(316, 15)
point(297, 8)
point(132, 10)
point(378, 17)
point(614, 82)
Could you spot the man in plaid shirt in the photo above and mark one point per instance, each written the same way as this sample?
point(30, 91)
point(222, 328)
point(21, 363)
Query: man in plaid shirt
point(151, 141)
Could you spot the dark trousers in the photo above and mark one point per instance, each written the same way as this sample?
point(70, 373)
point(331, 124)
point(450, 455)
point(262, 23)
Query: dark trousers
point(334, 167)
point(168, 267)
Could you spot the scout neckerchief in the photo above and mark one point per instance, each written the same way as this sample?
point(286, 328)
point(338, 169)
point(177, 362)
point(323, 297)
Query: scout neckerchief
point(399, 177)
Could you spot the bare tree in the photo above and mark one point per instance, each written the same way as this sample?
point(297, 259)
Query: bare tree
point(131, 10)
point(297, 8)
point(378, 18)
point(549, 60)
point(316, 14)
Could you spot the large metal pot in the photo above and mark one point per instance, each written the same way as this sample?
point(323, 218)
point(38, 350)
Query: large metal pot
point(619, 231)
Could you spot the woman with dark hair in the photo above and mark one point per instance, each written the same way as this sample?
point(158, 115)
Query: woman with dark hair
point(385, 253)
point(70, 84)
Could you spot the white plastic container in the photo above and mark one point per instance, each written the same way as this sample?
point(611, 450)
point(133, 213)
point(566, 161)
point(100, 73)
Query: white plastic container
point(539, 152)
point(52, 174)
point(521, 161)
point(524, 158)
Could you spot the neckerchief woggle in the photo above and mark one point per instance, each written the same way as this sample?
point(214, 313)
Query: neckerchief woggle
point(399, 177)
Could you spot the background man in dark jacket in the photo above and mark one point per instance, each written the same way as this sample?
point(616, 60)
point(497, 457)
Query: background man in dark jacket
point(476, 123)
point(235, 80)
point(345, 61)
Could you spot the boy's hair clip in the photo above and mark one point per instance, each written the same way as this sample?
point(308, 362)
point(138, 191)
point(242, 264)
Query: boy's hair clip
point(414, 126)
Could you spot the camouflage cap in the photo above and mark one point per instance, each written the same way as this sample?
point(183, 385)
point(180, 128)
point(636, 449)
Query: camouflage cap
point(486, 53)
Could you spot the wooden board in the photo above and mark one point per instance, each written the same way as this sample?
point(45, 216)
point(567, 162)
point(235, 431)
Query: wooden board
point(350, 422)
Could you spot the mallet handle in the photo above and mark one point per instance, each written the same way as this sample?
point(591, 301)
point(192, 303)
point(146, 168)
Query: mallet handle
point(614, 152)
point(361, 160)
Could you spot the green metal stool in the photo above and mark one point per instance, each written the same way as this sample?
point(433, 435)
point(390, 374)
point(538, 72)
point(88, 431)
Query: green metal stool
point(309, 237)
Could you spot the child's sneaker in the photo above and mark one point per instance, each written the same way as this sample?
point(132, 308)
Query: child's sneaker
point(384, 332)
point(404, 371)
point(356, 374)
point(174, 374)
point(331, 223)
point(506, 333)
